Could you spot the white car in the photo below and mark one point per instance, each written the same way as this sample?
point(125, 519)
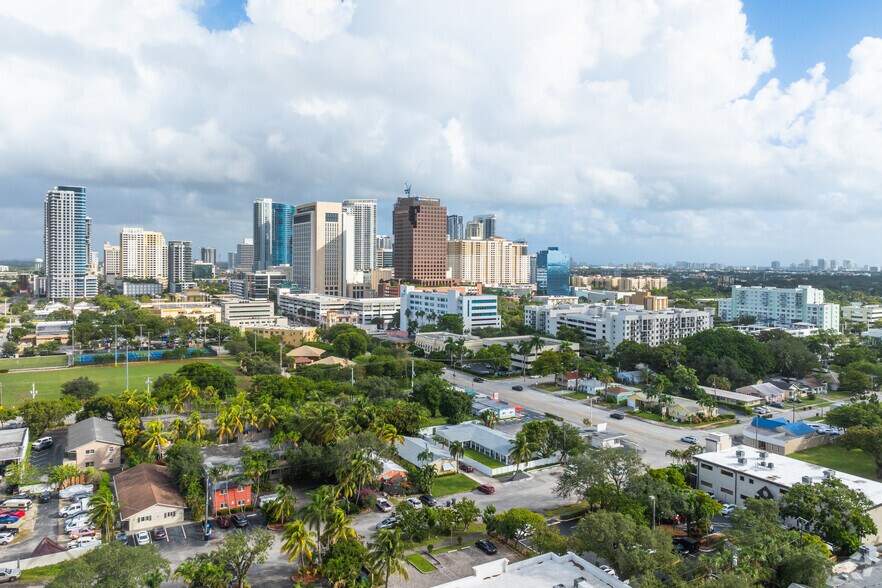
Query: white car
point(142, 538)
point(66, 493)
point(76, 522)
point(728, 509)
point(84, 542)
point(761, 410)
point(6, 538)
point(384, 505)
point(71, 510)
point(690, 439)
point(535, 377)
point(415, 503)
point(608, 570)
point(387, 523)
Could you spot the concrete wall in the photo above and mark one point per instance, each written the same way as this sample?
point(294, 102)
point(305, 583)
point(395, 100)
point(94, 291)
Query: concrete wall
point(46, 560)
point(157, 516)
point(509, 469)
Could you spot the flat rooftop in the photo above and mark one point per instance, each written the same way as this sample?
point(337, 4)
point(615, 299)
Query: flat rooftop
point(544, 571)
point(787, 471)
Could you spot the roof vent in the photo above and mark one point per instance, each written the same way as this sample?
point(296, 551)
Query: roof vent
point(742, 460)
point(763, 454)
point(770, 465)
point(828, 474)
point(739, 453)
point(806, 479)
point(762, 463)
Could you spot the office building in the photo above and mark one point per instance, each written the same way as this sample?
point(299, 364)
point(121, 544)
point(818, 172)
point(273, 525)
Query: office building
point(250, 313)
point(488, 225)
point(202, 270)
point(244, 256)
point(208, 255)
point(364, 227)
point(384, 242)
point(326, 311)
point(180, 266)
point(66, 246)
point(281, 233)
point(420, 251)
point(455, 227)
point(493, 262)
point(257, 285)
point(553, 272)
point(776, 265)
point(111, 260)
point(868, 314)
point(322, 253)
point(780, 306)
point(263, 234)
point(424, 306)
point(142, 254)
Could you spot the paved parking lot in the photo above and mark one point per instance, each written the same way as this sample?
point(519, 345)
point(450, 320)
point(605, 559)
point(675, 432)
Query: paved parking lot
point(452, 566)
point(54, 455)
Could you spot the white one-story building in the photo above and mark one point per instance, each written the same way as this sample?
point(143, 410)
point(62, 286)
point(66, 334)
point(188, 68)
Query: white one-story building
point(741, 472)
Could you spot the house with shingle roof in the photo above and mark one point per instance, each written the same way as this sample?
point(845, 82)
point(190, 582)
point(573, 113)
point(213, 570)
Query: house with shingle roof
point(94, 443)
point(148, 498)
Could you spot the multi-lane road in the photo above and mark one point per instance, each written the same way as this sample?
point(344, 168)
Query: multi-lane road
point(654, 439)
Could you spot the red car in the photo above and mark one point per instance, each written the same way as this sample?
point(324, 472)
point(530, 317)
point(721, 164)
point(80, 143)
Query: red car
point(486, 488)
point(223, 522)
point(15, 513)
point(464, 467)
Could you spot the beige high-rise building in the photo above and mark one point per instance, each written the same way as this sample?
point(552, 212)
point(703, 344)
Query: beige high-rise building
point(143, 254)
point(111, 260)
point(621, 284)
point(474, 230)
point(494, 261)
point(322, 256)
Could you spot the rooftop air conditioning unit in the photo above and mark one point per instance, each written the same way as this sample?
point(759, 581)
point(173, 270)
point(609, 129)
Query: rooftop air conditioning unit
point(828, 474)
point(770, 465)
point(763, 454)
point(806, 479)
point(762, 463)
point(739, 453)
point(742, 460)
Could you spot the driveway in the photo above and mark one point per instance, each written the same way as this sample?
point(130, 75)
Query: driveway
point(48, 458)
point(451, 566)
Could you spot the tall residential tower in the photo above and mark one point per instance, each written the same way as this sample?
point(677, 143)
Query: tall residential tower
point(364, 219)
point(263, 234)
point(65, 245)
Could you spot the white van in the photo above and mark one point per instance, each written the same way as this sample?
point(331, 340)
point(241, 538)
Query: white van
point(266, 499)
point(71, 509)
point(24, 503)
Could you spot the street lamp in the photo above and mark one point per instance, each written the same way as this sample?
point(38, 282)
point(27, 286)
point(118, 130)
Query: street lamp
point(652, 498)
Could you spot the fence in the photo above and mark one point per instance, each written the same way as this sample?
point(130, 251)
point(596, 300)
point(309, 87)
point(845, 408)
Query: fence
point(140, 356)
point(46, 560)
point(484, 469)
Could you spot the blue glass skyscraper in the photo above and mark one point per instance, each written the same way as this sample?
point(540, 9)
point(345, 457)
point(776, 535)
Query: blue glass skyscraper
point(553, 272)
point(281, 239)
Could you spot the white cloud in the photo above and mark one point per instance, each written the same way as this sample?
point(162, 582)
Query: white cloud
point(641, 128)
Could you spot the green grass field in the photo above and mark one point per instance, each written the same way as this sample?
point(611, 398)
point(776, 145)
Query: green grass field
point(17, 386)
point(454, 484)
point(576, 395)
point(483, 459)
point(548, 387)
point(23, 363)
point(421, 563)
point(854, 461)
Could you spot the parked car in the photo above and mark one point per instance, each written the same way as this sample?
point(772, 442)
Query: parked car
point(728, 509)
point(223, 522)
point(84, 532)
point(9, 574)
point(428, 500)
point(17, 503)
point(535, 377)
point(75, 522)
point(777, 404)
point(70, 491)
point(45, 496)
point(486, 488)
point(761, 410)
point(486, 546)
point(85, 542)
point(70, 510)
point(607, 570)
point(12, 530)
point(239, 520)
point(42, 443)
point(6, 538)
point(160, 534)
point(387, 523)
point(414, 502)
point(80, 496)
point(617, 415)
point(685, 544)
point(384, 505)
point(518, 387)
point(266, 499)
point(478, 379)
point(15, 513)
point(466, 467)
point(690, 439)
point(8, 520)
point(142, 538)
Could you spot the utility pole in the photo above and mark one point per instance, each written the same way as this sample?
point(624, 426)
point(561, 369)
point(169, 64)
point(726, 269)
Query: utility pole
point(115, 349)
point(280, 357)
point(33, 391)
point(149, 381)
point(652, 498)
point(148, 346)
point(411, 374)
point(127, 365)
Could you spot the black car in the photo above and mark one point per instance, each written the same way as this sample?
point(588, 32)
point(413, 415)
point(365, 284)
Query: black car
point(428, 500)
point(519, 388)
point(685, 544)
point(45, 497)
point(160, 535)
point(122, 537)
point(12, 530)
point(477, 379)
point(486, 546)
point(239, 520)
point(617, 415)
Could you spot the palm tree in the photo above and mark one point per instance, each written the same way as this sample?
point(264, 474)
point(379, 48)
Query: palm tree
point(177, 404)
point(316, 512)
point(222, 422)
point(606, 378)
point(387, 554)
point(521, 452)
point(264, 417)
point(363, 470)
point(130, 429)
point(524, 349)
point(178, 429)
point(297, 543)
point(282, 508)
point(188, 392)
point(489, 418)
point(195, 427)
point(456, 450)
point(157, 438)
point(103, 512)
point(389, 434)
point(337, 528)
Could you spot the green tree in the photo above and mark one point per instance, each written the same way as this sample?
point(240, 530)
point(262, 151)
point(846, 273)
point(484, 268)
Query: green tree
point(316, 512)
point(344, 562)
point(40, 415)
point(283, 508)
point(518, 523)
point(467, 512)
point(451, 323)
point(80, 388)
point(156, 437)
point(351, 344)
point(707, 350)
point(600, 477)
point(203, 570)
point(868, 440)
point(298, 544)
point(103, 512)
point(549, 362)
point(454, 405)
point(241, 551)
point(521, 451)
point(427, 391)
point(386, 555)
point(792, 357)
point(202, 375)
point(113, 565)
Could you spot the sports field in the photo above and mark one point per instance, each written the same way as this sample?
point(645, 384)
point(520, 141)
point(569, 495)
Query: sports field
point(17, 386)
point(24, 363)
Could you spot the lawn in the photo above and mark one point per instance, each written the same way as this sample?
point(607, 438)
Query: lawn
point(41, 574)
point(17, 386)
point(23, 363)
point(436, 421)
point(548, 387)
point(445, 485)
point(835, 457)
point(483, 459)
point(576, 395)
point(421, 563)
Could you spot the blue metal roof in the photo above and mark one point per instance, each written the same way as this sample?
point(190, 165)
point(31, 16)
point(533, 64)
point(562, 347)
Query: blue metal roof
point(799, 429)
point(769, 423)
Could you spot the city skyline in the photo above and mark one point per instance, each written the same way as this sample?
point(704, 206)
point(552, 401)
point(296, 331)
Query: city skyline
point(707, 143)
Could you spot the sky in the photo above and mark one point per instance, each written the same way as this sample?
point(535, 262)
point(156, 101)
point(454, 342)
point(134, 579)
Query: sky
point(652, 130)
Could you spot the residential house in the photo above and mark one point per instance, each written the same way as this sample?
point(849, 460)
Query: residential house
point(94, 443)
point(600, 437)
point(812, 385)
point(391, 474)
point(633, 377)
point(589, 385)
point(14, 445)
point(768, 392)
point(569, 380)
point(438, 456)
point(334, 360)
point(780, 436)
point(618, 394)
point(148, 498)
point(743, 400)
point(229, 484)
point(304, 355)
point(502, 410)
point(684, 409)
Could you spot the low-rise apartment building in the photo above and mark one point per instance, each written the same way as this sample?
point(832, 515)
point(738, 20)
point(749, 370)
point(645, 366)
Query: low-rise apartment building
point(424, 306)
point(324, 311)
point(250, 313)
point(94, 443)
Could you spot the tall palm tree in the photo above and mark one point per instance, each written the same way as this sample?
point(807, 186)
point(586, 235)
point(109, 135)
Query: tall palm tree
point(389, 434)
point(177, 404)
point(387, 554)
point(521, 451)
point(489, 418)
point(264, 417)
point(157, 438)
point(524, 349)
point(456, 450)
point(297, 543)
point(103, 511)
point(178, 429)
point(222, 427)
point(188, 392)
point(363, 470)
point(282, 508)
point(130, 429)
point(317, 511)
point(196, 429)
point(337, 528)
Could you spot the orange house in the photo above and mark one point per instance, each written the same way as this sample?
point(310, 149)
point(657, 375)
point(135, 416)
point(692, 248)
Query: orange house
point(228, 494)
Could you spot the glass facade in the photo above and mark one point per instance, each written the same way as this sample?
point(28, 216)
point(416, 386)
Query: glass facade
point(553, 272)
point(281, 240)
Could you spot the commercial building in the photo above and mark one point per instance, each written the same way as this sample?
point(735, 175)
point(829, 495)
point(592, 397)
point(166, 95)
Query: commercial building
point(619, 283)
point(780, 306)
point(413, 450)
point(425, 306)
point(66, 245)
point(136, 289)
point(383, 251)
point(250, 313)
point(548, 570)
point(148, 498)
point(244, 259)
point(325, 311)
point(455, 227)
point(293, 336)
point(202, 270)
point(735, 474)
point(257, 285)
point(94, 443)
point(208, 255)
point(322, 256)
point(496, 262)
point(14, 445)
point(143, 254)
point(364, 232)
point(198, 311)
point(474, 230)
point(420, 252)
point(780, 436)
point(281, 242)
point(111, 260)
point(867, 314)
point(262, 234)
point(553, 272)
point(501, 410)
point(488, 224)
point(180, 266)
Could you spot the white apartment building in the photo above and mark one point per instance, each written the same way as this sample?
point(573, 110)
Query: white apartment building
point(540, 317)
point(321, 310)
point(322, 257)
point(263, 234)
point(619, 283)
point(111, 260)
point(180, 266)
point(250, 313)
point(364, 235)
point(66, 242)
point(780, 306)
point(143, 254)
point(629, 322)
point(496, 261)
point(866, 314)
point(424, 306)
